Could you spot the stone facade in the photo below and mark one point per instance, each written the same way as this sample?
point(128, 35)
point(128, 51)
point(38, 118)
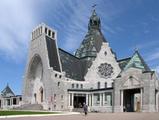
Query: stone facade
point(59, 80)
point(145, 82)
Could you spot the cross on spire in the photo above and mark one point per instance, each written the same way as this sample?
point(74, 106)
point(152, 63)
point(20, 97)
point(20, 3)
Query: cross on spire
point(136, 48)
point(93, 6)
point(93, 9)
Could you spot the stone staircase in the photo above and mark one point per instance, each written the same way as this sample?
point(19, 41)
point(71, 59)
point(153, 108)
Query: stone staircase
point(30, 107)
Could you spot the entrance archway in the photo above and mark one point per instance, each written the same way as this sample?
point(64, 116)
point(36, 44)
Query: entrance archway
point(41, 94)
point(35, 98)
point(35, 75)
point(79, 99)
point(132, 100)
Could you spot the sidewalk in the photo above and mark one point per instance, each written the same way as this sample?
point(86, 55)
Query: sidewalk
point(39, 115)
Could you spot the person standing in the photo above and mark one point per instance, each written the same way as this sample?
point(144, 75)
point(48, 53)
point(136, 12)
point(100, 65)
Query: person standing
point(85, 108)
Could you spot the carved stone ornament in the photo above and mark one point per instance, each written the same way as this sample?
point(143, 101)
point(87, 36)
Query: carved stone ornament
point(105, 70)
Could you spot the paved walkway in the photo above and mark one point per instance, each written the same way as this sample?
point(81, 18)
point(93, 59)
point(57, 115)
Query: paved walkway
point(95, 116)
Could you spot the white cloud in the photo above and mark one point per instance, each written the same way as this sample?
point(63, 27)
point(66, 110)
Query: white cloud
point(18, 17)
point(153, 56)
point(16, 23)
point(78, 13)
point(109, 29)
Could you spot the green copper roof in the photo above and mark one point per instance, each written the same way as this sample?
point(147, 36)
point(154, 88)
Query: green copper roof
point(94, 22)
point(7, 92)
point(123, 62)
point(93, 40)
point(137, 62)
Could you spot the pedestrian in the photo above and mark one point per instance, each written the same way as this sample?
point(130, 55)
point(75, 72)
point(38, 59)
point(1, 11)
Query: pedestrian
point(85, 108)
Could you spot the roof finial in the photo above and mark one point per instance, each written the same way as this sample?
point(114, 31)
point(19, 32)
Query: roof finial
point(93, 9)
point(136, 48)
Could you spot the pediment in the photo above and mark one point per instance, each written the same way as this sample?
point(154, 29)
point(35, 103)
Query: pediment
point(131, 71)
point(131, 82)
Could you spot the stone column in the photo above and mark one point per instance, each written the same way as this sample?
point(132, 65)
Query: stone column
point(72, 99)
point(152, 107)
point(100, 99)
point(86, 99)
point(103, 99)
point(121, 100)
point(4, 102)
point(92, 100)
point(157, 97)
point(10, 101)
point(69, 104)
point(141, 98)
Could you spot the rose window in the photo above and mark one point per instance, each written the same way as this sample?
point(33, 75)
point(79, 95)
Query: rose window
point(105, 70)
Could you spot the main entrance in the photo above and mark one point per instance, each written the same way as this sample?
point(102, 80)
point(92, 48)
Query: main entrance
point(132, 100)
point(79, 99)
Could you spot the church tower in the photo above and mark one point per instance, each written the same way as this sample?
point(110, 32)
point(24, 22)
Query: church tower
point(93, 40)
point(101, 65)
point(43, 62)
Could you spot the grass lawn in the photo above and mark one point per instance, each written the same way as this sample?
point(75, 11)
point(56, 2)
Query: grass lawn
point(9, 112)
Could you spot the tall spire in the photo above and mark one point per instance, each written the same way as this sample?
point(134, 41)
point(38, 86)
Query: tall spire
point(94, 22)
point(93, 40)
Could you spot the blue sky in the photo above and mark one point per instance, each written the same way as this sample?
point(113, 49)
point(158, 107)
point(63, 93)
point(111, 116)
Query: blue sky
point(126, 24)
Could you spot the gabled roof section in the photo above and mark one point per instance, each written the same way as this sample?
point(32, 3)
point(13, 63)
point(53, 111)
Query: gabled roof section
point(123, 62)
point(7, 92)
point(137, 61)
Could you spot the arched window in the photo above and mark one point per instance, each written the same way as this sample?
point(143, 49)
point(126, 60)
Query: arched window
point(60, 76)
point(91, 22)
point(55, 75)
point(98, 85)
point(72, 85)
point(81, 85)
point(61, 97)
point(54, 96)
point(105, 84)
point(95, 22)
point(112, 84)
point(77, 85)
point(58, 84)
point(45, 30)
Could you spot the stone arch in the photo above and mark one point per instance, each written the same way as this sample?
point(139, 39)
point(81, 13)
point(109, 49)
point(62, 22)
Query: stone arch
point(35, 68)
point(35, 79)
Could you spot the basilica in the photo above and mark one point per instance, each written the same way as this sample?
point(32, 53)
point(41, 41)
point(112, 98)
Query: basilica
point(60, 81)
